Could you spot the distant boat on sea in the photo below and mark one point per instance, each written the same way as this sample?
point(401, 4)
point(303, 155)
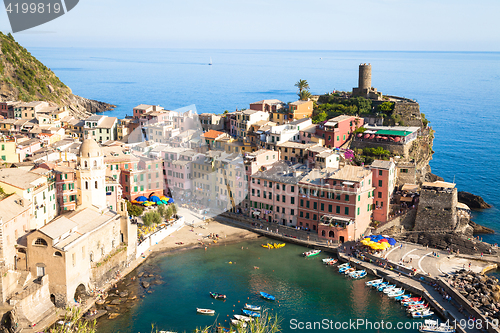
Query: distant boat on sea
point(210, 63)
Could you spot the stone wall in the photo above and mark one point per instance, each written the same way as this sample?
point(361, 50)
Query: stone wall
point(406, 220)
point(35, 304)
point(107, 270)
point(409, 113)
point(437, 210)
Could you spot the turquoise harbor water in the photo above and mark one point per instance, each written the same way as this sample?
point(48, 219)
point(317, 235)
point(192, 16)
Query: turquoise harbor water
point(305, 289)
point(458, 92)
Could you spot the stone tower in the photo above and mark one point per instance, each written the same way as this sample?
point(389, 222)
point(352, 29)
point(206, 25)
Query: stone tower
point(91, 175)
point(365, 76)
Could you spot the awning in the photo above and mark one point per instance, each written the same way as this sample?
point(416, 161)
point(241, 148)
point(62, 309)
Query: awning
point(406, 199)
point(410, 187)
point(393, 132)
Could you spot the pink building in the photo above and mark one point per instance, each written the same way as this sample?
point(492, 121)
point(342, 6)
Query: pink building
point(267, 105)
point(336, 131)
point(178, 167)
point(336, 203)
point(274, 194)
point(383, 175)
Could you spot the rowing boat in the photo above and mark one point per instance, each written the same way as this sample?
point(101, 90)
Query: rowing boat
point(267, 296)
point(205, 311)
point(252, 307)
point(311, 253)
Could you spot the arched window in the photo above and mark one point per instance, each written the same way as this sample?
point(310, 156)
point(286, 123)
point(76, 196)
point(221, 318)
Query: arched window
point(58, 254)
point(86, 185)
point(96, 184)
point(40, 242)
point(95, 164)
point(323, 233)
point(85, 164)
point(331, 234)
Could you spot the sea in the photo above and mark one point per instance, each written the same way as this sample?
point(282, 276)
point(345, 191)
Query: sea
point(457, 91)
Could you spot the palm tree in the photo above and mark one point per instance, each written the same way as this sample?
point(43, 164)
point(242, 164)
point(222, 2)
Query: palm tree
point(302, 85)
point(304, 95)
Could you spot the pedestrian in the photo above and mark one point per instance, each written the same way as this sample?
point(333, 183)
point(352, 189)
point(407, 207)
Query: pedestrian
point(481, 254)
point(469, 265)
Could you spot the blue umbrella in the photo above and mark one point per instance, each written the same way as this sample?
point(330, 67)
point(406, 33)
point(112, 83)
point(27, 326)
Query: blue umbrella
point(154, 198)
point(141, 198)
point(392, 241)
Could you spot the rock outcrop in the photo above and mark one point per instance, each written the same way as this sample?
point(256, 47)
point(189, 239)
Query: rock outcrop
point(453, 241)
point(479, 229)
point(25, 78)
point(472, 200)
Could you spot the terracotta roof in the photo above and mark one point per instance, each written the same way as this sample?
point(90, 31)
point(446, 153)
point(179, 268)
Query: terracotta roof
point(212, 134)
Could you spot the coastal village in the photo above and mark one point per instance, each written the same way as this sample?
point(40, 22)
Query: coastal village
point(75, 192)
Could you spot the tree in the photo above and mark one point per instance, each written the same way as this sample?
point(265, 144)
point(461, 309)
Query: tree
point(174, 209)
point(161, 210)
point(169, 212)
point(151, 217)
point(304, 95)
point(302, 85)
point(134, 210)
point(386, 107)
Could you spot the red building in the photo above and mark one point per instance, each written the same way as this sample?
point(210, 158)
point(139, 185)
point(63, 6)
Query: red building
point(66, 192)
point(336, 203)
point(336, 131)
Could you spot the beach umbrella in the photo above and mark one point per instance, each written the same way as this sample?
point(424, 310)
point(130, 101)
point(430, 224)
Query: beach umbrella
point(159, 203)
point(383, 240)
point(134, 201)
point(391, 241)
point(164, 201)
point(164, 198)
point(141, 198)
point(154, 199)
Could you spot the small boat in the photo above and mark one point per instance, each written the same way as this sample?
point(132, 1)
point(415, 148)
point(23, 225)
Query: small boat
point(267, 296)
point(413, 303)
point(205, 311)
point(371, 282)
point(411, 299)
point(217, 295)
point(235, 322)
point(420, 307)
point(358, 274)
point(327, 260)
point(251, 313)
point(252, 307)
point(349, 271)
point(402, 297)
point(344, 265)
point(430, 326)
point(393, 290)
point(331, 263)
point(422, 314)
point(243, 318)
point(210, 63)
point(268, 246)
point(343, 269)
point(385, 286)
point(279, 246)
point(395, 293)
point(311, 253)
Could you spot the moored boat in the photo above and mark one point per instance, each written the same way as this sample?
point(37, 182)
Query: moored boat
point(236, 322)
point(407, 304)
point(386, 286)
point(217, 295)
point(393, 290)
point(267, 296)
point(252, 307)
point(344, 268)
point(327, 260)
point(422, 314)
point(205, 311)
point(243, 318)
point(402, 297)
point(395, 293)
point(358, 274)
point(371, 282)
point(349, 270)
point(311, 253)
point(251, 313)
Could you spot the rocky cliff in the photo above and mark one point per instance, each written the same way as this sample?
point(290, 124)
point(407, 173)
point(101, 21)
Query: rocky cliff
point(24, 78)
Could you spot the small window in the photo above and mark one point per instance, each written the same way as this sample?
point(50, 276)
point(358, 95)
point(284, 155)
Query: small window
point(40, 242)
point(58, 254)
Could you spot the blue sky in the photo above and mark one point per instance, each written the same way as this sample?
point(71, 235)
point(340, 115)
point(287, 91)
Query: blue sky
point(422, 25)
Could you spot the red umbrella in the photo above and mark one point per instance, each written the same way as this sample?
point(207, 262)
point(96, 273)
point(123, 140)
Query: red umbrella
point(397, 139)
point(372, 136)
point(367, 136)
point(378, 137)
point(384, 138)
point(360, 135)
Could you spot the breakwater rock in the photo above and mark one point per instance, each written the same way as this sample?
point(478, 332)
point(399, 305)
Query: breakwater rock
point(481, 290)
point(472, 200)
point(479, 229)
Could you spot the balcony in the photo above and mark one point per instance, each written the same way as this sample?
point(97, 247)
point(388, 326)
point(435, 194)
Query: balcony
point(335, 221)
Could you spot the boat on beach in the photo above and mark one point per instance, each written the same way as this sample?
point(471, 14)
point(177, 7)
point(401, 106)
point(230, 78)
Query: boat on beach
point(251, 313)
point(252, 307)
point(205, 311)
point(433, 326)
point(267, 296)
point(217, 295)
point(311, 253)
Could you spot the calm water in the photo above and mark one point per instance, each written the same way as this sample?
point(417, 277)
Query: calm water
point(458, 91)
point(306, 290)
